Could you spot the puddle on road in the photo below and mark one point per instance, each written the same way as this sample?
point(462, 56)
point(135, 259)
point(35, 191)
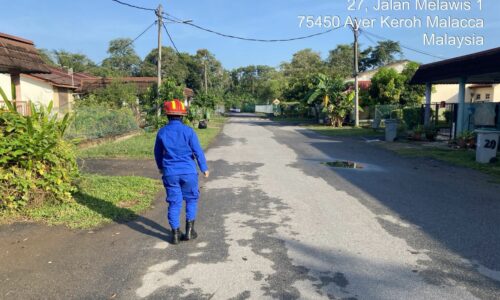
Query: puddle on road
point(344, 164)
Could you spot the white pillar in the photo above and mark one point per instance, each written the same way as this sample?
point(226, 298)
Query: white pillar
point(461, 106)
point(428, 92)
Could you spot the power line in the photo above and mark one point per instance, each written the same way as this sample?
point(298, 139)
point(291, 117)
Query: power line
point(136, 38)
point(369, 38)
point(403, 46)
point(174, 19)
point(251, 39)
point(170, 38)
point(133, 6)
point(127, 45)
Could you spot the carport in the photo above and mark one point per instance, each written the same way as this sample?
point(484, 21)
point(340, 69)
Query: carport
point(477, 68)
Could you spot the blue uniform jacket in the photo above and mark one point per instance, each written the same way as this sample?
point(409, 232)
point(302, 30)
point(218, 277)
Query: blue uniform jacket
point(176, 149)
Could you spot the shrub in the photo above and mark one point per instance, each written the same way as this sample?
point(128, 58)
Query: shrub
point(36, 164)
point(92, 122)
point(412, 116)
point(448, 115)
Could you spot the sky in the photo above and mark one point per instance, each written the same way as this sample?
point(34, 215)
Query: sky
point(87, 26)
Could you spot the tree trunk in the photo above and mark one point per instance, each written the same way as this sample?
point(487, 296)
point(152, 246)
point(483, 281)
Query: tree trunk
point(316, 112)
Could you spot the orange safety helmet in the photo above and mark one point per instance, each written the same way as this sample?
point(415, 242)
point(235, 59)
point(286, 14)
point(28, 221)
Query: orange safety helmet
point(175, 108)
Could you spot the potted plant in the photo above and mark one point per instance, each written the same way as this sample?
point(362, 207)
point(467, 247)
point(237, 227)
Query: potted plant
point(466, 140)
point(416, 135)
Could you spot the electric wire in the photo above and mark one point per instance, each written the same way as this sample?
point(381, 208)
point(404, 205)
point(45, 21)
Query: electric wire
point(402, 46)
point(125, 46)
point(170, 38)
point(368, 38)
point(251, 39)
point(133, 6)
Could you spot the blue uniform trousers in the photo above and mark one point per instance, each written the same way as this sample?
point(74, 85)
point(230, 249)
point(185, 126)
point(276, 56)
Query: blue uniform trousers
point(181, 187)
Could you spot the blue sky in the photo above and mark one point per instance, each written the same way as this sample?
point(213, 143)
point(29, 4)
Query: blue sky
point(86, 26)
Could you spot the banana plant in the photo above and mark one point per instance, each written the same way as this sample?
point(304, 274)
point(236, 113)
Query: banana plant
point(9, 104)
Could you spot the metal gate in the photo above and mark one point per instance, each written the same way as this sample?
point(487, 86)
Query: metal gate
point(443, 117)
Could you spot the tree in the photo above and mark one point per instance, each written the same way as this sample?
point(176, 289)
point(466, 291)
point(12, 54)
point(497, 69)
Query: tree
point(327, 94)
point(172, 66)
point(412, 94)
point(386, 87)
point(340, 107)
point(78, 62)
point(384, 53)
point(216, 77)
point(263, 83)
point(303, 63)
point(341, 61)
point(300, 74)
point(47, 56)
point(117, 94)
point(123, 59)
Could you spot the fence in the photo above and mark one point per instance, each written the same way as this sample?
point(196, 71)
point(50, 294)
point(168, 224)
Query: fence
point(98, 122)
point(267, 109)
point(442, 117)
point(482, 115)
point(23, 107)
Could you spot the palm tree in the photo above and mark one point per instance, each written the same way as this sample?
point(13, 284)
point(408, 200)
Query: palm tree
point(385, 52)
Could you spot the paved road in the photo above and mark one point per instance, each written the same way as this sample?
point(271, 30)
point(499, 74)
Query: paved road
point(276, 223)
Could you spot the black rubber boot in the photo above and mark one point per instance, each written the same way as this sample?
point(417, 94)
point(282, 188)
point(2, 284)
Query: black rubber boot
point(190, 233)
point(176, 236)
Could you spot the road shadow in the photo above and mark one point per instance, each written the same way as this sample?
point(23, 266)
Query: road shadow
point(125, 216)
point(450, 209)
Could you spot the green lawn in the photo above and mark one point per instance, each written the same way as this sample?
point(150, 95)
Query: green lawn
point(344, 131)
point(100, 200)
point(141, 146)
point(463, 158)
point(293, 120)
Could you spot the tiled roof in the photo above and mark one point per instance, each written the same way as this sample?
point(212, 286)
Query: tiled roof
point(18, 55)
point(91, 84)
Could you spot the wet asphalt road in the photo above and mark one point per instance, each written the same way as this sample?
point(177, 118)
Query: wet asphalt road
point(274, 222)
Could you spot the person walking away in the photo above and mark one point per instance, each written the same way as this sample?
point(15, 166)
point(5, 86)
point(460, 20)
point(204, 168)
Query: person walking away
point(177, 152)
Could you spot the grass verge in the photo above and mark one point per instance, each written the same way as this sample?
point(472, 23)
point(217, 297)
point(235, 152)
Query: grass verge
point(344, 131)
point(141, 146)
point(100, 200)
point(457, 157)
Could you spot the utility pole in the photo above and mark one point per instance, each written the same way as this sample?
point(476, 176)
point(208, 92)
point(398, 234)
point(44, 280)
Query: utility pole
point(206, 79)
point(355, 29)
point(159, 15)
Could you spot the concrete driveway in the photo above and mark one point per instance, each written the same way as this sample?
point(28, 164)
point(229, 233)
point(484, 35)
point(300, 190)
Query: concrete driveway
point(277, 223)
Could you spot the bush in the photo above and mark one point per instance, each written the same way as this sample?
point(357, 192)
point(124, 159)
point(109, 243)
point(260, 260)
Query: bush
point(92, 122)
point(36, 164)
point(412, 117)
point(448, 115)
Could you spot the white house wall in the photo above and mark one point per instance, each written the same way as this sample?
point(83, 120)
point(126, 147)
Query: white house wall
point(496, 93)
point(482, 92)
point(449, 93)
point(36, 91)
point(6, 85)
point(445, 92)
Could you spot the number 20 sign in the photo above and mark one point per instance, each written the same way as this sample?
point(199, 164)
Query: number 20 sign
point(490, 144)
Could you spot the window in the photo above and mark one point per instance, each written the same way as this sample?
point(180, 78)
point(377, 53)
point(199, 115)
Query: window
point(487, 97)
point(478, 97)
